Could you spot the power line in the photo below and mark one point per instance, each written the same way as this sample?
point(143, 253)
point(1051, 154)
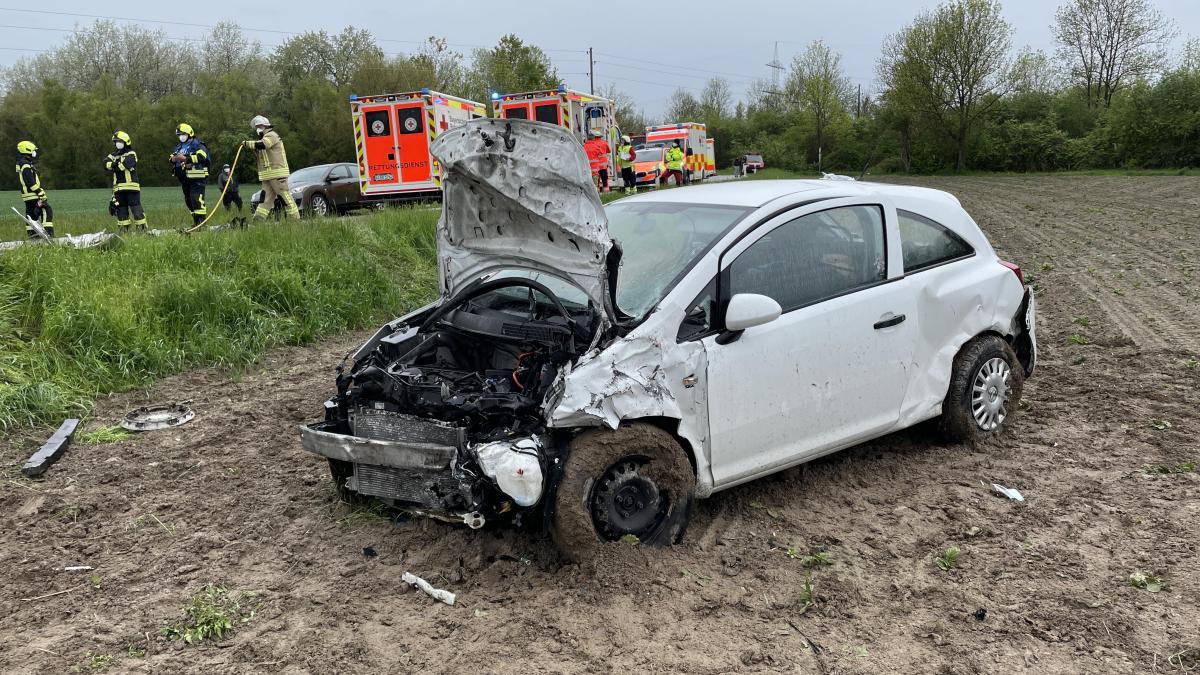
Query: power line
point(651, 70)
point(613, 80)
point(78, 31)
point(679, 67)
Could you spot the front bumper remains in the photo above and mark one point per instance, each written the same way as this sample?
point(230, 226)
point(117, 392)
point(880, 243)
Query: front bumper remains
point(423, 465)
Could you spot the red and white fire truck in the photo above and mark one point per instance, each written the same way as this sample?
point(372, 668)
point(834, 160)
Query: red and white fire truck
point(580, 113)
point(691, 136)
point(392, 135)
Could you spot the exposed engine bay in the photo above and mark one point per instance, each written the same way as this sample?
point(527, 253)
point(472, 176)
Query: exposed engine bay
point(457, 389)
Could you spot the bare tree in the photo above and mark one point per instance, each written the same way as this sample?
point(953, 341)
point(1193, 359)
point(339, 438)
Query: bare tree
point(1033, 72)
point(950, 66)
point(817, 88)
point(227, 48)
point(716, 99)
point(1106, 44)
point(1190, 59)
point(683, 107)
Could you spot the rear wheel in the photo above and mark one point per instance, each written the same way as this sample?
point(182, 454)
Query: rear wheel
point(985, 390)
point(320, 205)
point(634, 481)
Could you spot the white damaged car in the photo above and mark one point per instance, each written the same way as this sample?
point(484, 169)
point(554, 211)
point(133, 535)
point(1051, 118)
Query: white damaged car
point(596, 370)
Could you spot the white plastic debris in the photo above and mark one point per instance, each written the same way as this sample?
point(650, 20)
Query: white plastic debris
point(836, 176)
point(78, 568)
point(1011, 493)
point(435, 593)
point(515, 467)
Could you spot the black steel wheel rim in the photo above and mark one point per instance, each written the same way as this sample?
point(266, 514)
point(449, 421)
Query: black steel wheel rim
point(625, 501)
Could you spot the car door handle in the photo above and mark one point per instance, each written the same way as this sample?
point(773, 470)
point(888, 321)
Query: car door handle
point(888, 323)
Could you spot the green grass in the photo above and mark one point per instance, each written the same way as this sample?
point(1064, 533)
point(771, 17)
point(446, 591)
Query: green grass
point(75, 324)
point(83, 211)
point(212, 613)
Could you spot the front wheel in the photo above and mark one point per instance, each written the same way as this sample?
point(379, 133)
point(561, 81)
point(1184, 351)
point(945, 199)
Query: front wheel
point(631, 483)
point(985, 390)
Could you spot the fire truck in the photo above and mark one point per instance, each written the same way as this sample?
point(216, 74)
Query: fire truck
point(576, 111)
point(392, 135)
point(691, 136)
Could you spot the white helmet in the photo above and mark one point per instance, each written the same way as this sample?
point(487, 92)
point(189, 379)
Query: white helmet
point(260, 121)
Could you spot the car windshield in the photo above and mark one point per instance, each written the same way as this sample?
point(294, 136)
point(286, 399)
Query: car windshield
point(658, 241)
point(753, 158)
point(649, 155)
point(312, 174)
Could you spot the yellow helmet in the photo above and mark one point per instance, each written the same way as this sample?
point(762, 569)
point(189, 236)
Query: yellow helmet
point(185, 128)
point(26, 147)
point(123, 137)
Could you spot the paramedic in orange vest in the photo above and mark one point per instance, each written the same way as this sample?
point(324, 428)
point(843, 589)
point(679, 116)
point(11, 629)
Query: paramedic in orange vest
point(597, 151)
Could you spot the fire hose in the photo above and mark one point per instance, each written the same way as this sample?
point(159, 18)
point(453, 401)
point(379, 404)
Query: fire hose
point(232, 167)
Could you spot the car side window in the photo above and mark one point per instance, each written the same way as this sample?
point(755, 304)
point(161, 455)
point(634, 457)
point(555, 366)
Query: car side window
point(926, 243)
point(814, 257)
point(339, 173)
point(700, 318)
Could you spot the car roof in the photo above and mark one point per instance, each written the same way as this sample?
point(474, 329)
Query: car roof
point(755, 193)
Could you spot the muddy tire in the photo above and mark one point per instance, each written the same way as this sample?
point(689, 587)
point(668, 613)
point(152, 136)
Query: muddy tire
point(634, 480)
point(985, 391)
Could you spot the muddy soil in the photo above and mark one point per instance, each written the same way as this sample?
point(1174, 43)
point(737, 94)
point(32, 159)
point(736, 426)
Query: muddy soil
point(1101, 452)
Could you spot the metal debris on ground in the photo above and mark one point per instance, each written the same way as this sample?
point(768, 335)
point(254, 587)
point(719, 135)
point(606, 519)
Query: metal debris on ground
point(1011, 493)
point(435, 593)
point(149, 418)
point(51, 450)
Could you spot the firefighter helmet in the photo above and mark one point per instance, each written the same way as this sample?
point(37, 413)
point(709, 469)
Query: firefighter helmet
point(123, 137)
point(260, 121)
point(185, 128)
point(26, 147)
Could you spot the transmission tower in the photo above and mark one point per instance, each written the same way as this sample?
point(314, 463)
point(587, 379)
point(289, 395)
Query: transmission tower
point(776, 67)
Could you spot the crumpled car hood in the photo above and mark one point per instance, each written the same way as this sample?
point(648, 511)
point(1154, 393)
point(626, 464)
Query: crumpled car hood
point(517, 193)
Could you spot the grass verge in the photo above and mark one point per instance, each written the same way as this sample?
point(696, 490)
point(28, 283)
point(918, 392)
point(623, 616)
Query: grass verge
point(75, 324)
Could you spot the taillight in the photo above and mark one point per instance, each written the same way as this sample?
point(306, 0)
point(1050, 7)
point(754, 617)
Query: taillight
point(1016, 269)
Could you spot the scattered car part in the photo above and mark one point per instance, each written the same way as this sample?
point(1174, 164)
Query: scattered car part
point(154, 417)
point(51, 450)
point(1012, 493)
point(435, 593)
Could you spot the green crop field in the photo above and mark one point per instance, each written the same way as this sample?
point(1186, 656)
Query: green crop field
point(83, 211)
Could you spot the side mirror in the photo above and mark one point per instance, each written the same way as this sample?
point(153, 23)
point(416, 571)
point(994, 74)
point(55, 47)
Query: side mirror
point(747, 310)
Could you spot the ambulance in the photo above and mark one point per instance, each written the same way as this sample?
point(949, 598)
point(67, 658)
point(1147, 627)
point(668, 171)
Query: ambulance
point(691, 136)
point(392, 135)
point(576, 111)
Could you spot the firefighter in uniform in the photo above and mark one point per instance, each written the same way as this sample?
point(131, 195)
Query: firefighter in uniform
point(32, 192)
point(127, 192)
point(272, 169)
point(189, 163)
point(625, 159)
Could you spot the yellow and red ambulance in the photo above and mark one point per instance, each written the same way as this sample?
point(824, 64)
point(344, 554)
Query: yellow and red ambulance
point(691, 136)
point(576, 111)
point(392, 135)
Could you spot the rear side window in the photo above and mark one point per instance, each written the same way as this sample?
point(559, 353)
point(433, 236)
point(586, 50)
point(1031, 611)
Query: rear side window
point(814, 257)
point(546, 112)
point(926, 243)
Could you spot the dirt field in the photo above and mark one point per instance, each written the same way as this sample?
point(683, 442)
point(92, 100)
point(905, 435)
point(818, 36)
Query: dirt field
point(1101, 452)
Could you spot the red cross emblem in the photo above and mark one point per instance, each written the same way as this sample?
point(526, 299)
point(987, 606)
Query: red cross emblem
point(444, 124)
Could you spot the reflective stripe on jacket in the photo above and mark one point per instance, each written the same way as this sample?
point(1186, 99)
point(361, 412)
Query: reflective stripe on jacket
point(31, 182)
point(675, 159)
point(123, 166)
point(626, 156)
point(272, 160)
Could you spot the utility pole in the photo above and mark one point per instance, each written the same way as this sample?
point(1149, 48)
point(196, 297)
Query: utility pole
point(858, 103)
point(591, 72)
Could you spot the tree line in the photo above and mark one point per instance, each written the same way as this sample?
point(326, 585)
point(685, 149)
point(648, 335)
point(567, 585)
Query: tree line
point(107, 76)
point(952, 94)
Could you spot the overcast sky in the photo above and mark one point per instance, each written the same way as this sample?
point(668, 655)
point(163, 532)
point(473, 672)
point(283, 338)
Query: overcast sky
point(632, 40)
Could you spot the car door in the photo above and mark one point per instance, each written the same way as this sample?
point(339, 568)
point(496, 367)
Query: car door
point(340, 184)
point(831, 370)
